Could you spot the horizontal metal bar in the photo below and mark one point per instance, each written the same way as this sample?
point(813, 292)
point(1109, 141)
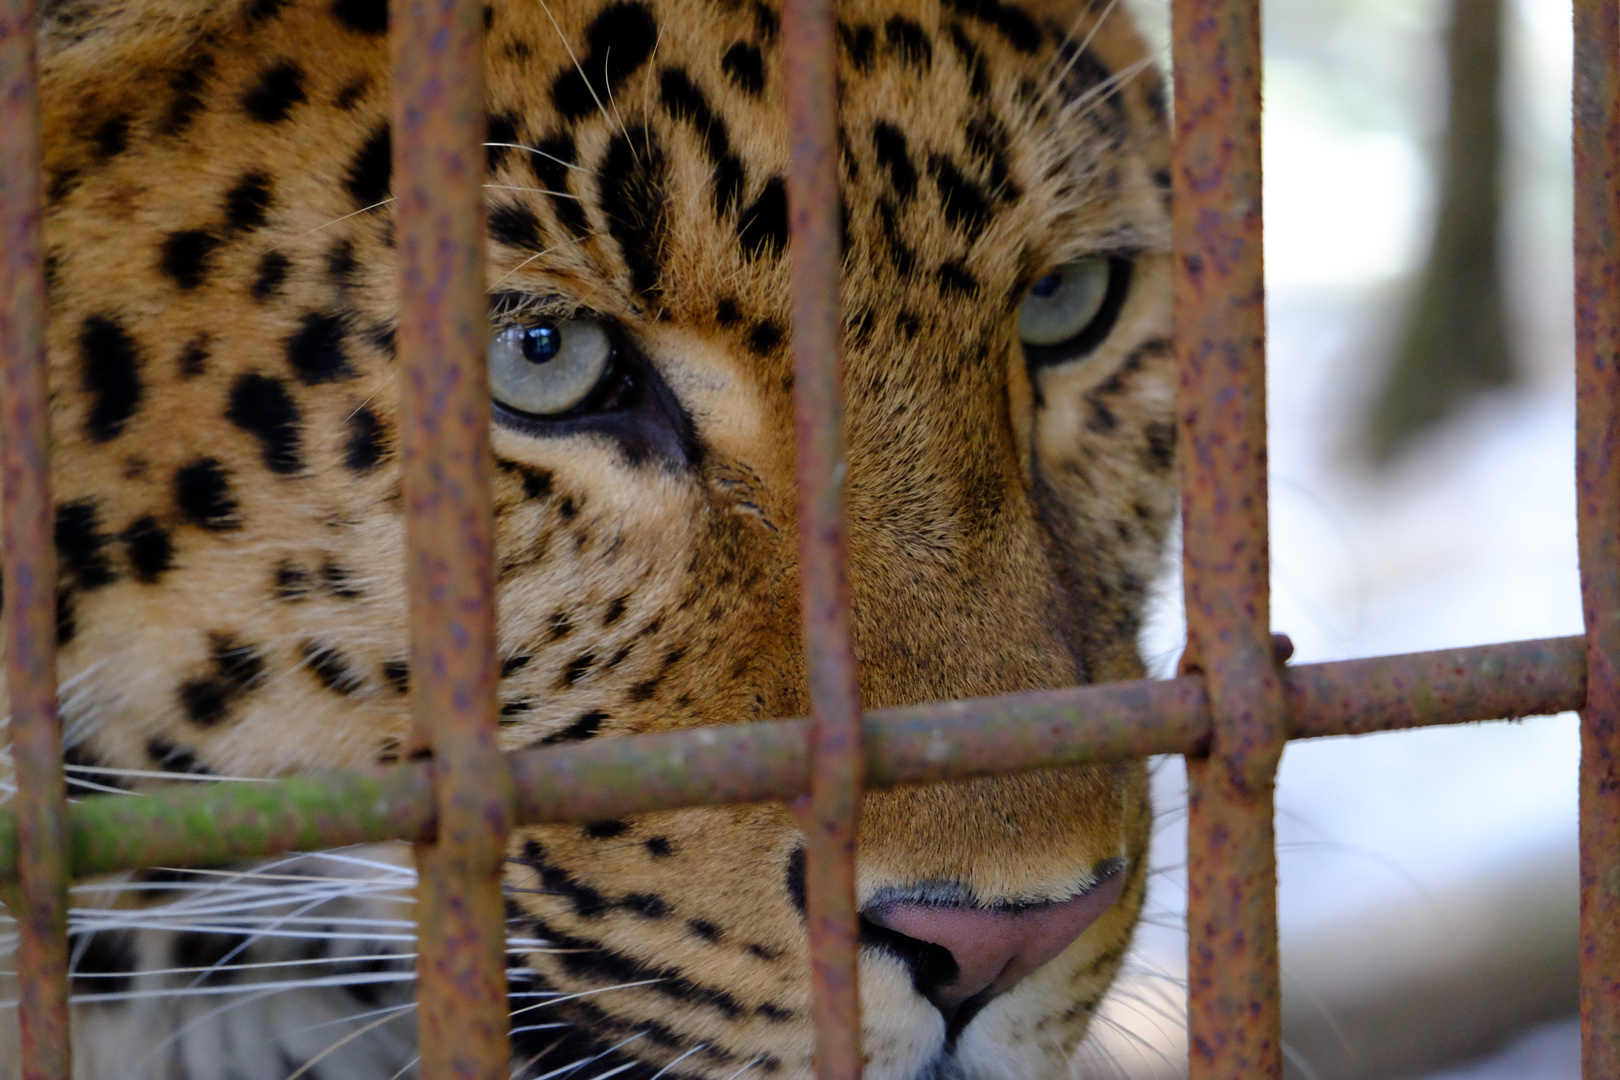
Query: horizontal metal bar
point(198, 826)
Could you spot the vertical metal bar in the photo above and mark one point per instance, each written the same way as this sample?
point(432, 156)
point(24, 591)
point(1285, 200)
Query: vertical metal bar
point(832, 813)
point(1597, 469)
point(1234, 1007)
point(30, 567)
point(438, 190)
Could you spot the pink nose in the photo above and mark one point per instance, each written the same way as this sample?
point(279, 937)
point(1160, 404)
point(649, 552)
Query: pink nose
point(993, 949)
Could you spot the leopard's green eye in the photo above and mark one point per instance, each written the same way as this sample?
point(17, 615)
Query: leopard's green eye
point(1065, 302)
point(547, 368)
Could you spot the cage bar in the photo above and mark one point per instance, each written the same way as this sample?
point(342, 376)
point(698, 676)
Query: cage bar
point(208, 824)
point(438, 98)
point(830, 816)
point(1234, 1007)
point(39, 901)
point(1597, 467)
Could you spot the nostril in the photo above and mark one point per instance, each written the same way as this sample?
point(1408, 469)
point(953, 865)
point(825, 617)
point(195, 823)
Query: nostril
point(962, 957)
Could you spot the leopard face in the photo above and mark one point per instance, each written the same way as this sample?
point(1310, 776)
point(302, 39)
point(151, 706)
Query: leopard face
point(229, 529)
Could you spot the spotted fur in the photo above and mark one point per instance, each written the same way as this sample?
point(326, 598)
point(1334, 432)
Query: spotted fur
point(225, 414)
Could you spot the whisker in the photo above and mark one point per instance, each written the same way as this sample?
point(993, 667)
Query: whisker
point(541, 153)
point(328, 225)
point(330, 1050)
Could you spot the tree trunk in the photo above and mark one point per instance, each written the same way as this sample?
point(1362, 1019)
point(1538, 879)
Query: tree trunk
point(1456, 337)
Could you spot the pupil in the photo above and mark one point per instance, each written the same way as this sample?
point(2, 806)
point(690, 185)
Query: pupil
point(1044, 288)
point(541, 343)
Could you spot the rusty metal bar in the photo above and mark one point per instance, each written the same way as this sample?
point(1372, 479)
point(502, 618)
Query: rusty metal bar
point(211, 824)
point(830, 816)
point(1597, 469)
point(1234, 1006)
point(40, 899)
point(438, 136)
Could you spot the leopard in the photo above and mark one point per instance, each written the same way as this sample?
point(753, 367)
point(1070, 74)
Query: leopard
point(225, 417)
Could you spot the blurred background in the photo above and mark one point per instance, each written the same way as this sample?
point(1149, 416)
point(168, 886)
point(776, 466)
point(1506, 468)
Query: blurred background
point(1418, 230)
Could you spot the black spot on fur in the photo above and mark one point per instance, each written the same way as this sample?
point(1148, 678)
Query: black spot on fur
point(909, 42)
point(316, 349)
point(194, 358)
point(583, 728)
point(202, 490)
point(617, 42)
point(368, 440)
point(247, 204)
point(187, 85)
point(341, 263)
point(767, 23)
point(291, 581)
point(551, 165)
point(726, 313)
point(104, 962)
point(274, 95)
point(66, 621)
point(169, 757)
point(262, 407)
point(973, 60)
point(647, 905)
point(645, 691)
point(515, 225)
point(765, 337)
point(684, 100)
point(187, 255)
point(745, 65)
point(397, 674)
point(704, 929)
point(150, 548)
point(273, 267)
point(889, 143)
point(763, 227)
point(561, 626)
point(237, 668)
point(264, 10)
point(499, 128)
point(1161, 445)
point(794, 878)
point(339, 581)
point(1012, 21)
point(659, 846)
point(110, 373)
point(860, 42)
point(576, 670)
point(956, 278)
point(362, 16)
point(901, 256)
point(370, 175)
point(81, 546)
point(966, 206)
point(352, 94)
point(514, 664)
point(112, 137)
point(634, 197)
point(606, 830)
point(615, 610)
point(330, 667)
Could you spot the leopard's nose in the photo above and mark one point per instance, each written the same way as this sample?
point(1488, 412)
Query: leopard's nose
point(961, 957)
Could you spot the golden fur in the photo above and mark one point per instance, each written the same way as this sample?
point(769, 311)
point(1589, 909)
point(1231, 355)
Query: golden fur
point(225, 408)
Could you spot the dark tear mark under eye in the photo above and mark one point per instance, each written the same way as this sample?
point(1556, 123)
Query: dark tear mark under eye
point(618, 41)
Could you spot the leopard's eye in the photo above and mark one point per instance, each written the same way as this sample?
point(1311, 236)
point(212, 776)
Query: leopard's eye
point(1068, 312)
point(546, 368)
